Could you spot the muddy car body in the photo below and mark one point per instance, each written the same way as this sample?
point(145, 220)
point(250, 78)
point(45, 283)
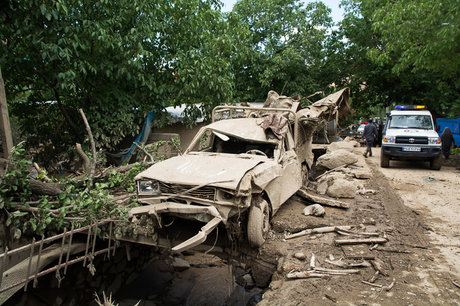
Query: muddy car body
point(247, 161)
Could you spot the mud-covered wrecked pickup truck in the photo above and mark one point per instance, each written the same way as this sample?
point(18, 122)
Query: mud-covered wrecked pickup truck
point(247, 161)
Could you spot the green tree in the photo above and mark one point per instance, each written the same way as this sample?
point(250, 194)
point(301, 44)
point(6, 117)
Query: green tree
point(283, 44)
point(114, 59)
point(378, 83)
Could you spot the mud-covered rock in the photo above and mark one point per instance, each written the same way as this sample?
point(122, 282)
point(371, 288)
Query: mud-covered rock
point(350, 146)
point(342, 188)
point(180, 264)
point(314, 210)
point(335, 159)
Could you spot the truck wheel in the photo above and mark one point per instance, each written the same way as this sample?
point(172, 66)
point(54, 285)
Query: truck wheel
point(435, 163)
point(258, 223)
point(384, 160)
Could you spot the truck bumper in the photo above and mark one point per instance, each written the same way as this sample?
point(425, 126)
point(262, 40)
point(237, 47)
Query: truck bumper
point(175, 208)
point(397, 151)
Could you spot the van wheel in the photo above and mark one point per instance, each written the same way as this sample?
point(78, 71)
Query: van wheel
point(258, 223)
point(384, 160)
point(435, 163)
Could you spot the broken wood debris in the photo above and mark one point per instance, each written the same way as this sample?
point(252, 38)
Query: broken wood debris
point(321, 200)
point(456, 284)
point(378, 266)
point(386, 288)
point(314, 271)
point(343, 264)
point(361, 241)
point(318, 230)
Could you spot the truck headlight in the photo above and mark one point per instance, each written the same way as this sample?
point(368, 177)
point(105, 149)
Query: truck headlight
point(148, 187)
point(434, 140)
point(388, 139)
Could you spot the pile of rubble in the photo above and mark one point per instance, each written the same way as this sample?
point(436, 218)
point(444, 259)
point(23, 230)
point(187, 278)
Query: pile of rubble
point(341, 171)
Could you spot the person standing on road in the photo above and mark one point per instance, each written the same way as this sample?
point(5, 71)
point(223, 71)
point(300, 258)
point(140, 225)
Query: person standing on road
point(446, 141)
point(370, 134)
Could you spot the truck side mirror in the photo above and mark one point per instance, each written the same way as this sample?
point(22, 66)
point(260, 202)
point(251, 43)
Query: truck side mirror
point(438, 128)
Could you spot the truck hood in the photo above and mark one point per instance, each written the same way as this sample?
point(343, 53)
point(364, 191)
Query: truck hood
point(213, 169)
point(411, 132)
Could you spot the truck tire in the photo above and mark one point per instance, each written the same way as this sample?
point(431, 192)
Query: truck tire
point(384, 160)
point(435, 163)
point(258, 223)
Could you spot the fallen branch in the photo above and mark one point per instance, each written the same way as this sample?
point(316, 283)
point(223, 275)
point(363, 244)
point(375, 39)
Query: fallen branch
point(86, 161)
point(343, 264)
point(93, 149)
point(42, 188)
point(390, 250)
point(371, 284)
point(304, 274)
point(35, 209)
point(388, 288)
point(53, 212)
point(378, 266)
point(374, 277)
point(319, 272)
point(312, 261)
point(337, 272)
point(321, 200)
point(145, 151)
point(455, 284)
point(318, 230)
point(361, 241)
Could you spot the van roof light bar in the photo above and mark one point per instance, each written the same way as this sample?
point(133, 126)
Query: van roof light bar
point(410, 107)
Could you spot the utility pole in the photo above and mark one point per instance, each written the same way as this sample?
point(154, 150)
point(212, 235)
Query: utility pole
point(5, 128)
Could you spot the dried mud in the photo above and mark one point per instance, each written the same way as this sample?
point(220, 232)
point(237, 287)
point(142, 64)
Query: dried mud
point(410, 257)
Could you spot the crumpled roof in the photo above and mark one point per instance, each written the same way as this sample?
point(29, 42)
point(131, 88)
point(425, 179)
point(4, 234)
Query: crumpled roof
point(325, 108)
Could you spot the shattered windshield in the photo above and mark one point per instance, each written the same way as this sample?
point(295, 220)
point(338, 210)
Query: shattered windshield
point(212, 141)
point(411, 121)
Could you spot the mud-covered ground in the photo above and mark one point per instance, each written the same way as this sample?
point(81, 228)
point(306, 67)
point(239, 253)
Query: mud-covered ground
point(415, 208)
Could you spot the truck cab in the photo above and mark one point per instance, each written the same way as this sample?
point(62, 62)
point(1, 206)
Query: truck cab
point(410, 134)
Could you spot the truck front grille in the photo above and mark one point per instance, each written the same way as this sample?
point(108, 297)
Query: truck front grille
point(205, 192)
point(411, 140)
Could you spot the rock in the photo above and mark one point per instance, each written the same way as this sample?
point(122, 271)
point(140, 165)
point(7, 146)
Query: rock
point(314, 210)
point(180, 264)
point(335, 159)
point(248, 281)
point(342, 188)
point(349, 146)
point(361, 174)
point(322, 187)
point(300, 256)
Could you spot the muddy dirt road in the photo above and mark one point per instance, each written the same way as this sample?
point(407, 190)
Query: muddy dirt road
point(415, 208)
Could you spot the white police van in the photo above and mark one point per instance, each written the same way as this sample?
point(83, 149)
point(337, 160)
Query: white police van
point(410, 134)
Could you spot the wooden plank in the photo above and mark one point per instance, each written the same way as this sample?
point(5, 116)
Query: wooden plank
point(5, 128)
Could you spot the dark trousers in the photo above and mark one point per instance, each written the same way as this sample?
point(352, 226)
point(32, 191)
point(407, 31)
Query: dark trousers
point(369, 143)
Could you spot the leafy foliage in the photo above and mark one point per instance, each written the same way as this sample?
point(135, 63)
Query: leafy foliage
point(75, 205)
point(115, 59)
point(375, 71)
point(280, 47)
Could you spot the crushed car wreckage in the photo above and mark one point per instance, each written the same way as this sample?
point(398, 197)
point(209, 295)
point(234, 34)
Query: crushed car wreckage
point(247, 161)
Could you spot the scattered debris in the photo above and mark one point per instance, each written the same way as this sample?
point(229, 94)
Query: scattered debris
point(300, 256)
point(318, 230)
point(341, 263)
point(314, 210)
point(361, 241)
point(429, 179)
point(321, 200)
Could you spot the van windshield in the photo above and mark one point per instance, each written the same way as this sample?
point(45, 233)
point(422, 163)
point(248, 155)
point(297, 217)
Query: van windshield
point(411, 121)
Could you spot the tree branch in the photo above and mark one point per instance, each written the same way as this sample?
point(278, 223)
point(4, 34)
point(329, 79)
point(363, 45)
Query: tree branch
point(93, 148)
